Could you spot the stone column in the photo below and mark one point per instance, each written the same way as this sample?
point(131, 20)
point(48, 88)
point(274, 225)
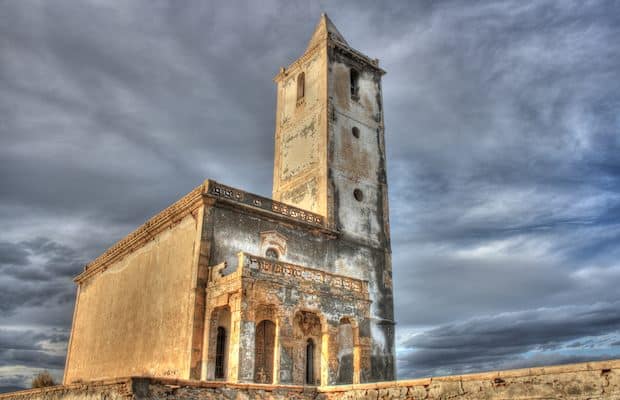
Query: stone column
point(276, 353)
point(356, 354)
point(247, 336)
point(324, 354)
point(208, 323)
point(235, 338)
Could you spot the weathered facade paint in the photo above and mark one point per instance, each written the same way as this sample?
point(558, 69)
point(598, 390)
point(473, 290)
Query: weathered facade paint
point(340, 121)
point(228, 285)
point(139, 304)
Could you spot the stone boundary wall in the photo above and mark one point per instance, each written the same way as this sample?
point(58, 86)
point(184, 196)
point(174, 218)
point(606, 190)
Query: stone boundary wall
point(592, 381)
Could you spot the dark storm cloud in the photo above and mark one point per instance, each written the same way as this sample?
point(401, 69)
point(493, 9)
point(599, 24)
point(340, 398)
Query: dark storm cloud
point(30, 351)
point(12, 255)
point(37, 272)
point(502, 137)
point(504, 340)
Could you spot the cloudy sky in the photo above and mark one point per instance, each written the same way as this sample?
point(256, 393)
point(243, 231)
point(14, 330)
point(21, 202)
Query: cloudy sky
point(503, 136)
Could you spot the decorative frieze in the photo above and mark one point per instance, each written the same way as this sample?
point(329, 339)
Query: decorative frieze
point(239, 196)
point(268, 266)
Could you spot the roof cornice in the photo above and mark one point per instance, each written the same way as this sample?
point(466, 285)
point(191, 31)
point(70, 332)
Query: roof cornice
point(218, 194)
point(146, 232)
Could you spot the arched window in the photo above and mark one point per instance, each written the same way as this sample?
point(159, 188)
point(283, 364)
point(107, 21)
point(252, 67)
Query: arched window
point(301, 85)
point(272, 253)
point(310, 362)
point(220, 352)
point(355, 77)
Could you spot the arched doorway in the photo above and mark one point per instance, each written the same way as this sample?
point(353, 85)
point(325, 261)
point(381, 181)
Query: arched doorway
point(218, 336)
point(264, 351)
point(307, 335)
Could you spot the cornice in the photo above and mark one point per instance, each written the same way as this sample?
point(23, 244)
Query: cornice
point(373, 63)
point(146, 232)
point(210, 193)
point(284, 71)
point(259, 204)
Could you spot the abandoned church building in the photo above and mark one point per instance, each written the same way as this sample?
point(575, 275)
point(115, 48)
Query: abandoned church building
point(228, 285)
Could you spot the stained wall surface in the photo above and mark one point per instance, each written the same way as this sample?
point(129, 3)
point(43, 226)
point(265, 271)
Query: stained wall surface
point(330, 159)
point(231, 230)
point(300, 176)
point(135, 317)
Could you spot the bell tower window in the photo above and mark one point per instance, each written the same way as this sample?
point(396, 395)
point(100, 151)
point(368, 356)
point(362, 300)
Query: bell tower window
point(354, 77)
point(301, 86)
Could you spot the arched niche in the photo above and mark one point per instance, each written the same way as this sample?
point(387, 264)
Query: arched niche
point(346, 341)
point(308, 339)
point(219, 341)
point(264, 351)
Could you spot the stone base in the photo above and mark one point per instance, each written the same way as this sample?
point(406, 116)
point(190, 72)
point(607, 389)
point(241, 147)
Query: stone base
point(595, 380)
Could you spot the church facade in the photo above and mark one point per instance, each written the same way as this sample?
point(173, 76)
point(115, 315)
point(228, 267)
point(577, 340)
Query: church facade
point(227, 285)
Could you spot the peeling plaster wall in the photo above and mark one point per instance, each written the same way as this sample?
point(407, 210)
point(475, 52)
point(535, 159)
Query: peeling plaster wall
point(359, 163)
point(290, 296)
point(234, 230)
point(135, 318)
point(319, 164)
point(299, 167)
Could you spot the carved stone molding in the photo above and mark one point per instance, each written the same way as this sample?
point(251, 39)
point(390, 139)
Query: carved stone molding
point(244, 198)
point(356, 287)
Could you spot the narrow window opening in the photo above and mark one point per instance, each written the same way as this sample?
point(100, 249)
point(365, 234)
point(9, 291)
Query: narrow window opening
point(310, 362)
point(301, 86)
point(355, 131)
point(220, 353)
point(354, 76)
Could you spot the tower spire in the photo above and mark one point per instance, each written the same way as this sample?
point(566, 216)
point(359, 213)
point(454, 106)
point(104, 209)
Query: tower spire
point(325, 29)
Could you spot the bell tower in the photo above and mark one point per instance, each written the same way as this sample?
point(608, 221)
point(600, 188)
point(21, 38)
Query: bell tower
point(329, 137)
point(330, 159)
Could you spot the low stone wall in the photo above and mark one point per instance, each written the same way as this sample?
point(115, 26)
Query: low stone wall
point(110, 390)
point(596, 380)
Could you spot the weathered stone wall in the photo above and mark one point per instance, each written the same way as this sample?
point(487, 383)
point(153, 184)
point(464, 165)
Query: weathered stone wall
point(135, 317)
point(358, 184)
point(592, 381)
point(300, 177)
point(330, 158)
point(597, 380)
point(287, 295)
point(309, 305)
point(235, 229)
point(117, 389)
